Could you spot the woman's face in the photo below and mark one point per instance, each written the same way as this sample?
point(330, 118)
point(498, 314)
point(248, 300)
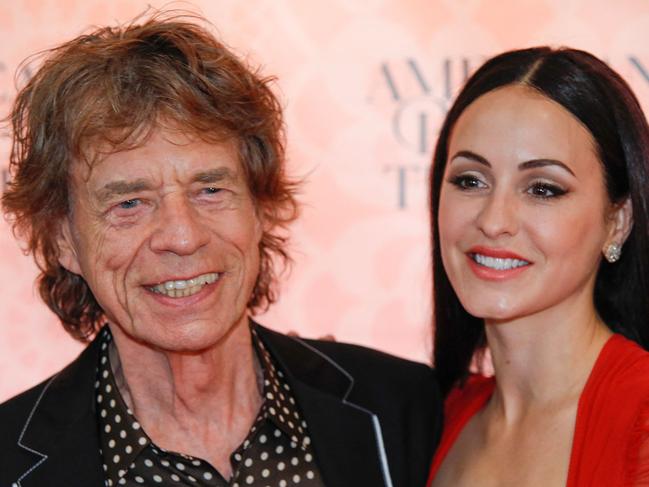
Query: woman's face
point(524, 214)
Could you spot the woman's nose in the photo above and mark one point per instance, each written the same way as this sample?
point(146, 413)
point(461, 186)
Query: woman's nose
point(499, 216)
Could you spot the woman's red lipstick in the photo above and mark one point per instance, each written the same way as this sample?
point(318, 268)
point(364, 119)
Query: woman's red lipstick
point(493, 264)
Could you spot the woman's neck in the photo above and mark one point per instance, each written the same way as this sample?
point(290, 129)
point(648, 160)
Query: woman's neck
point(544, 359)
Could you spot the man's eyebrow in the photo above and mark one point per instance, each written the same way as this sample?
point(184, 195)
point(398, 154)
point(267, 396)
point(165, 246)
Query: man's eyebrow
point(467, 154)
point(215, 175)
point(534, 163)
point(121, 187)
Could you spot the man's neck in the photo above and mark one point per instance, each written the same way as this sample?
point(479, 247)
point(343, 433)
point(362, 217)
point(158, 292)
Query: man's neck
point(192, 402)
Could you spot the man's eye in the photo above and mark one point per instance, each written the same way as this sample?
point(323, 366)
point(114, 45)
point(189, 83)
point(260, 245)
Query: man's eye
point(128, 204)
point(546, 190)
point(211, 190)
point(468, 181)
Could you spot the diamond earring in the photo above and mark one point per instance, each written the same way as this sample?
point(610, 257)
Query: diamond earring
point(613, 252)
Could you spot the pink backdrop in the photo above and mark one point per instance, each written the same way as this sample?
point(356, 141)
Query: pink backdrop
point(365, 84)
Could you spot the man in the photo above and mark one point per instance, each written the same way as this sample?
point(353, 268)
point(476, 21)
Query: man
point(148, 179)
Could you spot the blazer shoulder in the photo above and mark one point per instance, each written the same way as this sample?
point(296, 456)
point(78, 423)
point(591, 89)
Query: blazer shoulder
point(76, 376)
point(23, 401)
point(354, 355)
point(392, 374)
point(15, 411)
point(346, 355)
point(374, 379)
point(404, 394)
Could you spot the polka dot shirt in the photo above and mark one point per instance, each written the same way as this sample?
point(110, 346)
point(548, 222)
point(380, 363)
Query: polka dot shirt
point(277, 451)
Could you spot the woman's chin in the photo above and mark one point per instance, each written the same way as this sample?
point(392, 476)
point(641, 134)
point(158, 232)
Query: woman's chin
point(494, 312)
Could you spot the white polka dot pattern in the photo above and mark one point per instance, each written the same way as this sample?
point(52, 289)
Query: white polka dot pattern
point(276, 452)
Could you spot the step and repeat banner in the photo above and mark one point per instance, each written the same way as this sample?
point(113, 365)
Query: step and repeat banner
point(365, 85)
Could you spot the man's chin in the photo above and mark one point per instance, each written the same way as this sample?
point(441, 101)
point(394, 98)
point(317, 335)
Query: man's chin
point(194, 337)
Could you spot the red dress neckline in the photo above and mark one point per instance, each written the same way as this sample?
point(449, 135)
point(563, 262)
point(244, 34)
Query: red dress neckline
point(463, 403)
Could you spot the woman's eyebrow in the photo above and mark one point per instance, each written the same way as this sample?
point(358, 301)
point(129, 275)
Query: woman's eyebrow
point(531, 164)
point(467, 154)
point(534, 163)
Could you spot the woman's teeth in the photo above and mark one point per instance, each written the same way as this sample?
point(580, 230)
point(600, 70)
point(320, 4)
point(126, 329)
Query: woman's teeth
point(498, 263)
point(184, 288)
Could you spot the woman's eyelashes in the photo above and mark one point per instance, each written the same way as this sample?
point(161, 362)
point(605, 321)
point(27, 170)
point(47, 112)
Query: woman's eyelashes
point(468, 182)
point(537, 188)
point(546, 190)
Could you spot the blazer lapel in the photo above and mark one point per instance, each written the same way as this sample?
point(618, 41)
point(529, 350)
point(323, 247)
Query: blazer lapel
point(60, 434)
point(60, 443)
point(346, 437)
point(344, 440)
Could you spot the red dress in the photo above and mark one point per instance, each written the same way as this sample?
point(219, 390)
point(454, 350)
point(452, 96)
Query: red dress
point(611, 439)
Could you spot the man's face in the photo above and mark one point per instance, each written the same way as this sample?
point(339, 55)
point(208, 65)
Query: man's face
point(167, 237)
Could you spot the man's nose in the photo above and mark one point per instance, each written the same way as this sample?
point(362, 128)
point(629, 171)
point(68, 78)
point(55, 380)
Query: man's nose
point(500, 215)
point(180, 229)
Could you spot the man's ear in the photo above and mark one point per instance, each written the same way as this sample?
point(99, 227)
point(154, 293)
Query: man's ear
point(262, 224)
point(68, 257)
point(621, 223)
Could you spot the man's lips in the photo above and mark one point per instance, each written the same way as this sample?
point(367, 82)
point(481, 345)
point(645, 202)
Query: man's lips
point(182, 288)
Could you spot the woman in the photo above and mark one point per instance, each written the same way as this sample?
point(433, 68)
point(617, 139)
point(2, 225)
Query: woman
point(540, 194)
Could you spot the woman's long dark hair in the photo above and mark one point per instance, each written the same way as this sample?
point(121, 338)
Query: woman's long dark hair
point(603, 102)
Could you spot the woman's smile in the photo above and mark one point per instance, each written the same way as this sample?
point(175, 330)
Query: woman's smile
point(496, 264)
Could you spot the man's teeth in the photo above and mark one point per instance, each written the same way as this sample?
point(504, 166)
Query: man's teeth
point(498, 263)
point(184, 288)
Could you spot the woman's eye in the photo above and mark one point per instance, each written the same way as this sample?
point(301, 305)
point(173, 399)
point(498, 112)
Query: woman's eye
point(468, 181)
point(128, 204)
point(546, 190)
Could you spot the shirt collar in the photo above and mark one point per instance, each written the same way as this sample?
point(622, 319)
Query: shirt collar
point(279, 404)
point(122, 439)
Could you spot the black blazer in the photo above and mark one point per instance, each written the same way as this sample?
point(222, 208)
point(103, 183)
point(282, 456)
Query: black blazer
point(374, 419)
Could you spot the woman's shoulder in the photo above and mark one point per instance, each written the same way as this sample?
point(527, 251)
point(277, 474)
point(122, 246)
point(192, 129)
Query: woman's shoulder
point(613, 417)
point(620, 378)
point(623, 366)
point(619, 382)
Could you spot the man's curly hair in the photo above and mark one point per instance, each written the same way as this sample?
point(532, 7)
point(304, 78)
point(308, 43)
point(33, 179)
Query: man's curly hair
point(110, 88)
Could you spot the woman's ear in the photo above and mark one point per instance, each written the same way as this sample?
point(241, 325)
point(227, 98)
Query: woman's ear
point(621, 223)
point(68, 256)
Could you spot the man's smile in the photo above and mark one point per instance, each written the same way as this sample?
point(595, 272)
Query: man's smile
point(184, 287)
